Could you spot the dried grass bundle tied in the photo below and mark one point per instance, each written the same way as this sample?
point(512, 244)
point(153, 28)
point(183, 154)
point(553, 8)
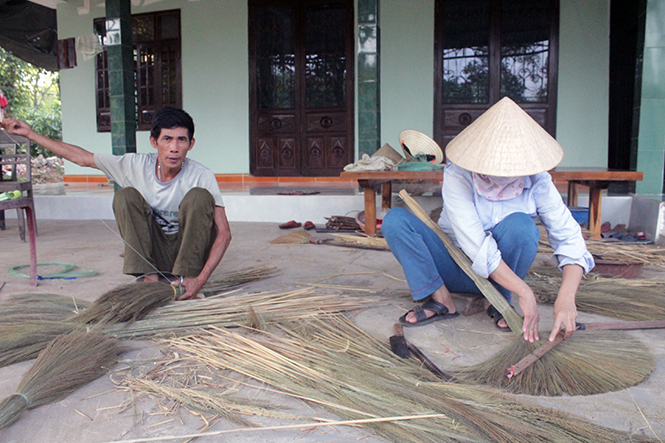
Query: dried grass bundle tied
point(622, 298)
point(28, 322)
point(129, 303)
point(587, 363)
point(21, 342)
point(330, 362)
point(67, 363)
point(19, 308)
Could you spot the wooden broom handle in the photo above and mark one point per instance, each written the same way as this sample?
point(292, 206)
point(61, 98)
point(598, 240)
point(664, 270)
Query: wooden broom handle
point(486, 287)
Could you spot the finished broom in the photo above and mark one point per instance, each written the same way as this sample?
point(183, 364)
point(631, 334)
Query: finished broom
point(67, 363)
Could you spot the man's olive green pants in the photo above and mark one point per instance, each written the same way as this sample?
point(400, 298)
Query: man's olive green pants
point(149, 250)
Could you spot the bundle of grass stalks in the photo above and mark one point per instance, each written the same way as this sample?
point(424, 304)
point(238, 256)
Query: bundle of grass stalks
point(134, 301)
point(238, 310)
point(67, 363)
point(377, 242)
point(23, 341)
point(332, 363)
point(20, 308)
point(587, 363)
point(129, 303)
point(646, 253)
point(622, 298)
point(28, 322)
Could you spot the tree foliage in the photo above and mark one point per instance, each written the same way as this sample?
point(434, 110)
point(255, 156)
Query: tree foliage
point(33, 95)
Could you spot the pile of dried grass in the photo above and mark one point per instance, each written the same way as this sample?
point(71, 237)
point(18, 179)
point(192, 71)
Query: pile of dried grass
point(585, 364)
point(332, 363)
point(625, 299)
point(67, 363)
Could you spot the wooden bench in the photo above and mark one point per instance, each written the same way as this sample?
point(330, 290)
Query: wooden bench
point(596, 179)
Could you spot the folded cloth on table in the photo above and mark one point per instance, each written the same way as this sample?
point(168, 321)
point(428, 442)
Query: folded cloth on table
point(367, 163)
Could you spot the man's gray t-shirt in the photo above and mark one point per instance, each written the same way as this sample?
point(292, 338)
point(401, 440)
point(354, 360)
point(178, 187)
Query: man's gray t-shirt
point(138, 171)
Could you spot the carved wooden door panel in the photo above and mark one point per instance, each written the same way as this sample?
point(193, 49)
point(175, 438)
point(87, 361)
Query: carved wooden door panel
point(489, 49)
point(301, 87)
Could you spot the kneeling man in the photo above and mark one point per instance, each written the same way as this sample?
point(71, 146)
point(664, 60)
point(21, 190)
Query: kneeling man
point(169, 211)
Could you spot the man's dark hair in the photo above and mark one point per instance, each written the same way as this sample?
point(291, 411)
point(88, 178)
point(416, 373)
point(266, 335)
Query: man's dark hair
point(170, 118)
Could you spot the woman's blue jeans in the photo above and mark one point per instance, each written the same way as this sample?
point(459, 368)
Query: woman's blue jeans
point(428, 265)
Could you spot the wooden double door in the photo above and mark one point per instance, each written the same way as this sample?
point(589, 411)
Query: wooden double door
point(301, 87)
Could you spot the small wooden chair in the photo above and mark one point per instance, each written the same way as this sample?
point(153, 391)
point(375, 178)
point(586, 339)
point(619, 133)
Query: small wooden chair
point(9, 165)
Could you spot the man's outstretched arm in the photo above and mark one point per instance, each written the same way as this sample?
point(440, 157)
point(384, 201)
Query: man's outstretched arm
point(73, 153)
point(219, 247)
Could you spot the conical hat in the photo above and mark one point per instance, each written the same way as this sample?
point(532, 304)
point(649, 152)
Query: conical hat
point(505, 142)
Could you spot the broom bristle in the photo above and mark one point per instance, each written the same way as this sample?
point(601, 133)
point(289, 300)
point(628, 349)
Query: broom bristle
point(129, 303)
point(331, 362)
point(23, 342)
point(31, 307)
point(67, 363)
point(585, 364)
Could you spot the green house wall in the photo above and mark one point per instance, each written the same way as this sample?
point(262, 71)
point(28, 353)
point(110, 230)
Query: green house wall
point(215, 78)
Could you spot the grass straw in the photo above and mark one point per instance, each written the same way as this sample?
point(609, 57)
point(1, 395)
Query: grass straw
point(67, 363)
point(488, 290)
point(330, 360)
point(587, 363)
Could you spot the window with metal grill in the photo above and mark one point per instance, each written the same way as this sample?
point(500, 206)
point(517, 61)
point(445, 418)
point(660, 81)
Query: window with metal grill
point(157, 68)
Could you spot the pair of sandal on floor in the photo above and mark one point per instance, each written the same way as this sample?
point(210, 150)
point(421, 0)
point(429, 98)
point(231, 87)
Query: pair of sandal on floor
point(441, 313)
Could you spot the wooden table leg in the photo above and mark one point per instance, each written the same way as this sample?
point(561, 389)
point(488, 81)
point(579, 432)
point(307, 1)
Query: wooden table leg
point(33, 248)
point(572, 194)
point(370, 207)
point(594, 211)
point(386, 195)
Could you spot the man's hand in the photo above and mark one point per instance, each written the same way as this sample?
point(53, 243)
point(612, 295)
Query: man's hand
point(192, 287)
point(73, 153)
point(529, 308)
point(16, 127)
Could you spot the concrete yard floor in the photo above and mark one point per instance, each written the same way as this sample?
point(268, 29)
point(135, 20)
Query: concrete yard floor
point(92, 415)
